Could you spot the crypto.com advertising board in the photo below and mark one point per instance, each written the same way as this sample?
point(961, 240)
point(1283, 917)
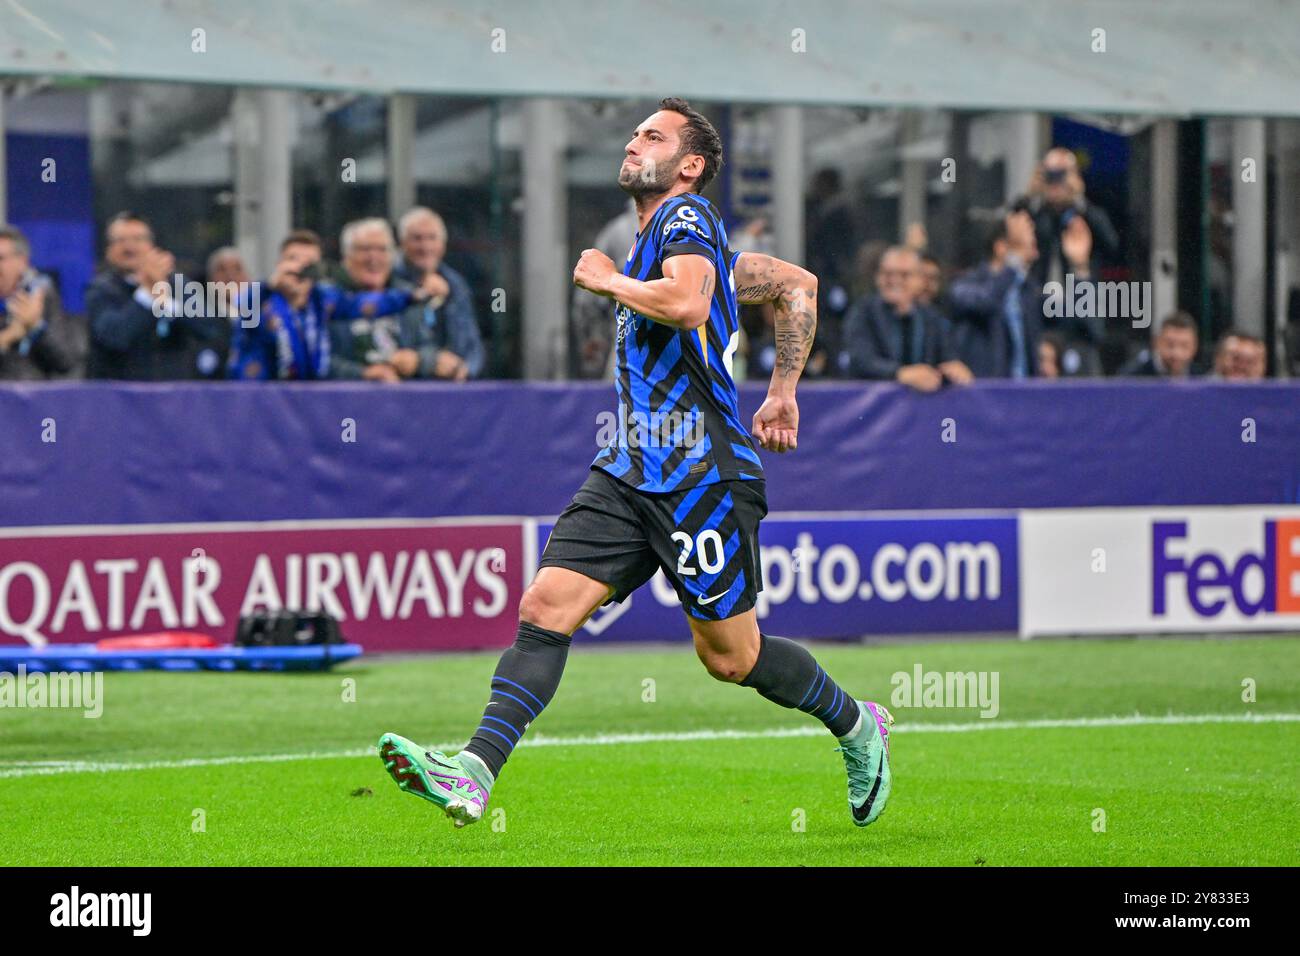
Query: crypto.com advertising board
point(846, 575)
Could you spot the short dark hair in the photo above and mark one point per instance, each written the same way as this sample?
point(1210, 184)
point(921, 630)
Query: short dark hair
point(15, 235)
point(699, 137)
point(300, 237)
point(1055, 340)
point(1233, 333)
point(897, 250)
point(1178, 320)
point(995, 234)
point(127, 215)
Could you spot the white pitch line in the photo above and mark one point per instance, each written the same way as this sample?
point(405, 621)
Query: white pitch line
point(40, 768)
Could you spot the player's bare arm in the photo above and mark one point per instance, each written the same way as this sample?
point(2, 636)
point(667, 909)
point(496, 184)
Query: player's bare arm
point(680, 299)
point(793, 293)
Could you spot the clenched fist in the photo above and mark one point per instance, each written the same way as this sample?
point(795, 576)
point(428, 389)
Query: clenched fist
point(593, 271)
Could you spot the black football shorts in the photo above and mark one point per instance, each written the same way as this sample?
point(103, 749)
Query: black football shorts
point(705, 538)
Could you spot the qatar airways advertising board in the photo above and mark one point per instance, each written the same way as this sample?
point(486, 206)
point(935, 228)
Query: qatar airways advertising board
point(441, 584)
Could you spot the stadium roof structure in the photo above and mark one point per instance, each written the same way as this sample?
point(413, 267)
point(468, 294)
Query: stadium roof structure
point(1160, 57)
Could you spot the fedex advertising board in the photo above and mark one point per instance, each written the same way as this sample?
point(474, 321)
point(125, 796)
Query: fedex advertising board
point(1148, 570)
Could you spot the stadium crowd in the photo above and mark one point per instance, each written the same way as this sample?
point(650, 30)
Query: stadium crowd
point(393, 310)
point(895, 312)
point(389, 311)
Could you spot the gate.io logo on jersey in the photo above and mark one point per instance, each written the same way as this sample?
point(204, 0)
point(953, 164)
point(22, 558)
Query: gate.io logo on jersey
point(688, 219)
point(1263, 581)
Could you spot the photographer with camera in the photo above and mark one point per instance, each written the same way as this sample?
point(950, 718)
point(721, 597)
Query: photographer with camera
point(1062, 216)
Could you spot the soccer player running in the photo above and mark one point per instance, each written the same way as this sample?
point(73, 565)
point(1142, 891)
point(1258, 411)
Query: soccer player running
point(680, 487)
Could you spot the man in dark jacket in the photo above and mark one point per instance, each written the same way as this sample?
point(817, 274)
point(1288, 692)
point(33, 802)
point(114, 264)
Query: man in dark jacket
point(996, 308)
point(34, 334)
point(889, 336)
point(450, 313)
point(383, 348)
point(1056, 200)
point(135, 333)
point(1173, 351)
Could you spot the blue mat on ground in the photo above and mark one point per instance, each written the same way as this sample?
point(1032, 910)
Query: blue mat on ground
point(86, 657)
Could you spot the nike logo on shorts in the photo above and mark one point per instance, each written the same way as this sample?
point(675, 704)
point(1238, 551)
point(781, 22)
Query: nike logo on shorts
point(703, 601)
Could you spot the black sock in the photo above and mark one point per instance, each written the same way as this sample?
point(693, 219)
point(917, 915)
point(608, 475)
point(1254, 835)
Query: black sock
point(524, 683)
point(786, 674)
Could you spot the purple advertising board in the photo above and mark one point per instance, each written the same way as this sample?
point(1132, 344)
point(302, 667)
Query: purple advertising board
point(906, 501)
point(134, 453)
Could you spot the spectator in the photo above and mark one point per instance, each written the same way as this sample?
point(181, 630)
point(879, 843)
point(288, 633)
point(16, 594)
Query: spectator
point(1175, 349)
point(228, 277)
point(137, 331)
point(1240, 357)
point(1051, 346)
point(890, 336)
point(34, 333)
point(866, 263)
point(1054, 201)
point(291, 339)
point(862, 284)
point(932, 293)
point(227, 265)
point(1081, 334)
point(591, 316)
point(450, 311)
point(385, 348)
point(996, 310)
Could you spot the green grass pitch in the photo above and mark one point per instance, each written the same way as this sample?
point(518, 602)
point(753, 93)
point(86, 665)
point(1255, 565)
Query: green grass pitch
point(125, 789)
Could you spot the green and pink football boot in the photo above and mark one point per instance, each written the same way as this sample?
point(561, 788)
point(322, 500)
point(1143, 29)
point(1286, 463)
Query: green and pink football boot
point(866, 758)
point(459, 784)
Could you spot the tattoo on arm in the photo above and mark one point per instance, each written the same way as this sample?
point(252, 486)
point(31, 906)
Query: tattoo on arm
point(759, 292)
point(793, 294)
point(707, 285)
point(759, 278)
point(796, 324)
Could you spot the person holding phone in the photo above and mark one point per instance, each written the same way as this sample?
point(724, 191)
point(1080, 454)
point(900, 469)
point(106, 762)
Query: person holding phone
point(289, 336)
point(1064, 217)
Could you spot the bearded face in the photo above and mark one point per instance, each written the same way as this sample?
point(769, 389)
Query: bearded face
point(639, 177)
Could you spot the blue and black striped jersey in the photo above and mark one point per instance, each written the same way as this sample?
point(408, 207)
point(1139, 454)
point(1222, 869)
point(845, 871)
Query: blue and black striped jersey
point(678, 417)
